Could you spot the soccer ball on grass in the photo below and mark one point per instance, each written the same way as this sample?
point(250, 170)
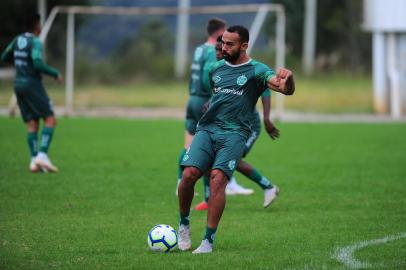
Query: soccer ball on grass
point(162, 238)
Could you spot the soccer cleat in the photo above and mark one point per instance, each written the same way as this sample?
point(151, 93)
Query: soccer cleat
point(205, 247)
point(230, 191)
point(46, 165)
point(233, 188)
point(270, 195)
point(202, 206)
point(33, 166)
point(184, 241)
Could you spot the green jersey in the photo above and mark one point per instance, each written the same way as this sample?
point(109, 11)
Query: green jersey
point(255, 118)
point(26, 53)
point(236, 89)
point(203, 57)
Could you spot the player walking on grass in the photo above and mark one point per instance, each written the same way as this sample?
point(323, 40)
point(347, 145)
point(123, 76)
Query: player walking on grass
point(233, 188)
point(237, 83)
point(26, 53)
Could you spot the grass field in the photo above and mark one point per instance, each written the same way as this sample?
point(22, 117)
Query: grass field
point(333, 93)
point(341, 185)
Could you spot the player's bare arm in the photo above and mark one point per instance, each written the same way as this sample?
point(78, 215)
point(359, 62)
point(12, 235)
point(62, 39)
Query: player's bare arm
point(283, 82)
point(270, 128)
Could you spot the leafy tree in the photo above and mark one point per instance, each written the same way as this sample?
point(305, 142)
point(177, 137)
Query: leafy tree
point(338, 31)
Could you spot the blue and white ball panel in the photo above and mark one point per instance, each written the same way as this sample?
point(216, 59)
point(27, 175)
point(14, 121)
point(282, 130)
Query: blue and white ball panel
point(162, 238)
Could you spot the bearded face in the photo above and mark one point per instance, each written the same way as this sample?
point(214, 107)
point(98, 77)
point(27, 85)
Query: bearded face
point(232, 46)
point(231, 56)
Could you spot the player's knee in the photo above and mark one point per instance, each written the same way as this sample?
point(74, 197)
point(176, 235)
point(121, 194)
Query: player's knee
point(191, 174)
point(218, 182)
point(50, 121)
point(244, 168)
point(32, 126)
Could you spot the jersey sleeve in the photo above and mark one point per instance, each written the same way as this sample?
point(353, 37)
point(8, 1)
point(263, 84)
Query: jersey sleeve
point(7, 55)
point(210, 59)
point(266, 93)
point(38, 63)
point(207, 81)
point(262, 74)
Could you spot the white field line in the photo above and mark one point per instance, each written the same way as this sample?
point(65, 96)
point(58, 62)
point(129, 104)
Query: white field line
point(345, 254)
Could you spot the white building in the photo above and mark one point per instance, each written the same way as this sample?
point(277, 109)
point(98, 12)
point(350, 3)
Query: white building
point(386, 19)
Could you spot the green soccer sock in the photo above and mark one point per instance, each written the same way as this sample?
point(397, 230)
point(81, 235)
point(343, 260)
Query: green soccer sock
point(210, 233)
point(206, 182)
point(46, 138)
point(32, 138)
point(262, 181)
point(180, 169)
point(184, 219)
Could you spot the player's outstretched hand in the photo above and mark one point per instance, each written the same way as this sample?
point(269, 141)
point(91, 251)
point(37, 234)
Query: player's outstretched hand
point(271, 129)
point(283, 81)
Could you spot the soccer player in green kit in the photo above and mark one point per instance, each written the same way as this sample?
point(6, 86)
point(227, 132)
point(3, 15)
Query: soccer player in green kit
point(26, 53)
point(199, 90)
point(233, 188)
point(237, 82)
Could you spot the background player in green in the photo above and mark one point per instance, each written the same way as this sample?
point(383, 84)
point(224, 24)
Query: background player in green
point(233, 188)
point(223, 130)
point(199, 88)
point(26, 53)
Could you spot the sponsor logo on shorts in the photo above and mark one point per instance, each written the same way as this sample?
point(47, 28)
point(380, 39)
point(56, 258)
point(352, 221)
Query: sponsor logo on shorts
point(231, 164)
point(241, 80)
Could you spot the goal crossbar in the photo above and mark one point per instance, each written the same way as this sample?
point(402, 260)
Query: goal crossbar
point(261, 9)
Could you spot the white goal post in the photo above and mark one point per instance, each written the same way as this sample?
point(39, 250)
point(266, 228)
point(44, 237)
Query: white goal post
point(184, 10)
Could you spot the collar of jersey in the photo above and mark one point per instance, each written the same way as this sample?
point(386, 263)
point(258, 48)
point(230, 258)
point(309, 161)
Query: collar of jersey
point(239, 65)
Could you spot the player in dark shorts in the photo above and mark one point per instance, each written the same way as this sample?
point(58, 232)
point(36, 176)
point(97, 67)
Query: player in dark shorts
point(25, 51)
point(233, 188)
point(237, 82)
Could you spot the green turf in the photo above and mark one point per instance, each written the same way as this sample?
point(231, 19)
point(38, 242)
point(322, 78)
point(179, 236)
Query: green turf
point(340, 184)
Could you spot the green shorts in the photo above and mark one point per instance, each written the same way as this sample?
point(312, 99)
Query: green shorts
point(194, 111)
point(33, 102)
point(256, 130)
point(215, 151)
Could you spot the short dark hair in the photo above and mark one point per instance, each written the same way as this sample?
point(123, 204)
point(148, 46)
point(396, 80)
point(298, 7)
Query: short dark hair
point(219, 39)
point(241, 31)
point(215, 24)
point(31, 21)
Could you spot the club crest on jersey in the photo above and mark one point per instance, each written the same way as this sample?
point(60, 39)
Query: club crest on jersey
point(216, 79)
point(241, 80)
point(21, 42)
